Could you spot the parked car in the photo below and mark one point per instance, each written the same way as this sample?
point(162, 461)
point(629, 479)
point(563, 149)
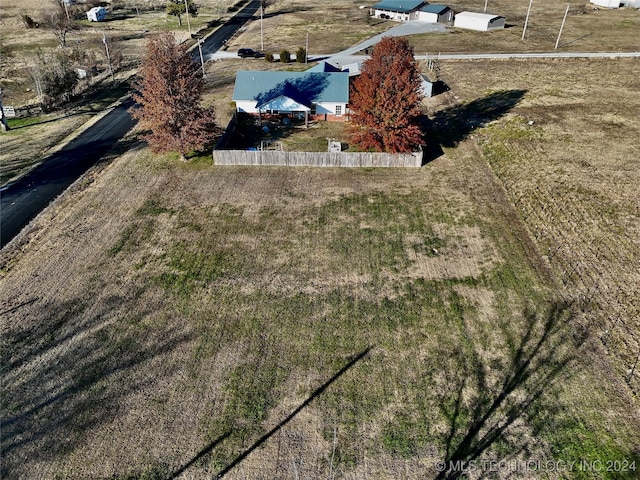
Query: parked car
point(249, 52)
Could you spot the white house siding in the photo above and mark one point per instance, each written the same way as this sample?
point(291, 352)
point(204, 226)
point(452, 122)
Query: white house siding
point(428, 17)
point(330, 108)
point(246, 106)
point(321, 108)
point(399, 17)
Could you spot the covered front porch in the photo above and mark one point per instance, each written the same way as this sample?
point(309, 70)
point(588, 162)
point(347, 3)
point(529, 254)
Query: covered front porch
point(285, 108)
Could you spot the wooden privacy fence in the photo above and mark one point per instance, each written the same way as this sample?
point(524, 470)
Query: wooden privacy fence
point(316, 159)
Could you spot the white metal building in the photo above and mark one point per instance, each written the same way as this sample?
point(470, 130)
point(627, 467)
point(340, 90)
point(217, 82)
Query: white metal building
point(97, 14)
point(479, 21)
point(607, 3)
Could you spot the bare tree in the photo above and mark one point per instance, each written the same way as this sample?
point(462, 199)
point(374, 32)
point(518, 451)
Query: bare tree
point(59, 19)
point(55, 77)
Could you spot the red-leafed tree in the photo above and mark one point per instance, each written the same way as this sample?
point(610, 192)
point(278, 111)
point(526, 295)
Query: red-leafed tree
point(385, 100)
point(169, 95)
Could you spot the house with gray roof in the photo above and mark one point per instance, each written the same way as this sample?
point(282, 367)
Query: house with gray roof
point(435, 13)
point(398, 10)
point(315, 95)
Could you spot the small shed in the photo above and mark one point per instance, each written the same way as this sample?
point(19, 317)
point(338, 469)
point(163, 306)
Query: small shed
point(607, 3)
point(398, 10)
point(434, 13)
point(479, 21)
point(97, 14)
point(426, 86)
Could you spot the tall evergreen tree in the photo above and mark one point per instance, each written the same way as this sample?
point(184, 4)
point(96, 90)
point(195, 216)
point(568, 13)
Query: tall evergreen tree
point(169, 95)
point(385, 100)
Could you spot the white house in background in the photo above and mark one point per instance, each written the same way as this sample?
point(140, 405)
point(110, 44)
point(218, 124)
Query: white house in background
point(97, 14)
point(434, 13)
point(479, 21)
point(315, 95)
point(607, 3)
point(398, 10)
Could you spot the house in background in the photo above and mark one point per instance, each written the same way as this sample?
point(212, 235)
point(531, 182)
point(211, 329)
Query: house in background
point(324, 67)
point(479, 21)
point(434, 13)
point(398, 10)
point(353, 69)
point(308, 95)
point(97, 14)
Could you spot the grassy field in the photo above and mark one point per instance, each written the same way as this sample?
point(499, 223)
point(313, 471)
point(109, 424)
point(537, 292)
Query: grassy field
point(573, 177)
point(166, 320)
point(184, 319)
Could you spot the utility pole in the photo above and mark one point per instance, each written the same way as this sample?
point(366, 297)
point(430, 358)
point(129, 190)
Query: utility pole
point(66, 9)
point(526, 21)
point(562, 26)
point(186, 9)
point(204, 73)
point(261, 32)
point(4, 126)
point(485, 5)
point(106, 47)
point(306, 50)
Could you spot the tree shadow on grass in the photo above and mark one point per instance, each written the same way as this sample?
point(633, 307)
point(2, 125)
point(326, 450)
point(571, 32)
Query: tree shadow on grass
point(67, 372)
point(289, 417)
point(450, 126)
point(487, 399)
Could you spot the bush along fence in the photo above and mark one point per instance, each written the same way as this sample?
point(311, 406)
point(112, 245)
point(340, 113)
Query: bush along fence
point(316, 159)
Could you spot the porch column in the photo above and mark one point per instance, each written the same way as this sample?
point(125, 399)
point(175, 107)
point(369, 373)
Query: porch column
point(306, 119)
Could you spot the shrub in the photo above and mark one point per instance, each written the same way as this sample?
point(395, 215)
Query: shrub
point(285, 56)
point(29, 22)
point(268, 56)
point(301, 55)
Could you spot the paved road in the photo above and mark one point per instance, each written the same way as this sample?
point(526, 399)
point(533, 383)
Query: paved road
point(496, 56)
point(21, 201)
point(214, 42)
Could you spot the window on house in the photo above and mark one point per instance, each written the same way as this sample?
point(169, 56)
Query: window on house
point(338, 109)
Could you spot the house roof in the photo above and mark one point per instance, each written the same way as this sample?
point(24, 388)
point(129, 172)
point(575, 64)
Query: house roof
point(435, 8)
point(402, 6)
point(323, 66)
point(301, 87)
point(352, 68)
